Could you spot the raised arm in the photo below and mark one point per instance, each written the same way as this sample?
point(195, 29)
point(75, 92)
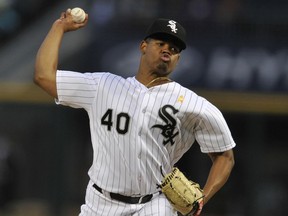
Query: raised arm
point(47, 57)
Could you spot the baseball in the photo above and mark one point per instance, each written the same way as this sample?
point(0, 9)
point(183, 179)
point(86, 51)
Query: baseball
point(78, 15)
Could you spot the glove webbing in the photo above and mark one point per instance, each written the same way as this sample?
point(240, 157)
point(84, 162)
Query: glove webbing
point(171, 176)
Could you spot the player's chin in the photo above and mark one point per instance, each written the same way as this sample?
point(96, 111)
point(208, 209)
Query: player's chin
point(163, 69)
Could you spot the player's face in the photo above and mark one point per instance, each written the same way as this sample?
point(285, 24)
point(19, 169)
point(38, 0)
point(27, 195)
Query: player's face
point(161, 56)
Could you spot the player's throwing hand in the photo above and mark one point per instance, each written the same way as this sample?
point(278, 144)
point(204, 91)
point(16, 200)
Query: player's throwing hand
point(67, 22)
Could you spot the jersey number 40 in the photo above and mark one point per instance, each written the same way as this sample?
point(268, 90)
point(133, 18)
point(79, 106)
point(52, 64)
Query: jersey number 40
point(122, 121)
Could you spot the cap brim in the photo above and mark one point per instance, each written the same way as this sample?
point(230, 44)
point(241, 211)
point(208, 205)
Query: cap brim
point(168, 37)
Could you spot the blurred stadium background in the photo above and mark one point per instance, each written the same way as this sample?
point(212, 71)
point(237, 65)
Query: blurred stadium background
point(237, 58)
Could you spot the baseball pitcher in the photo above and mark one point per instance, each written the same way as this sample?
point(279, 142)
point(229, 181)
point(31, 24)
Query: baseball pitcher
point(140, 126)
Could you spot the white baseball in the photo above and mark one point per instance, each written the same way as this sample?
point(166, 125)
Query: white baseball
point(78, 15)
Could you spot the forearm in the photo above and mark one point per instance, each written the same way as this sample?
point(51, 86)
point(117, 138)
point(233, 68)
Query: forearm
point(47, 59)
point(219, 173)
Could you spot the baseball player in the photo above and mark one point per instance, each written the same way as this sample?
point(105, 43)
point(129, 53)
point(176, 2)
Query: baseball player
point(140, 126)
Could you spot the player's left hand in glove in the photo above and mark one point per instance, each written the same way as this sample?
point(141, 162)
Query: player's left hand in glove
point(200, 206)
point(184, 195)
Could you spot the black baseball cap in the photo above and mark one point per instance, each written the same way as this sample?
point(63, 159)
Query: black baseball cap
point(168, 29)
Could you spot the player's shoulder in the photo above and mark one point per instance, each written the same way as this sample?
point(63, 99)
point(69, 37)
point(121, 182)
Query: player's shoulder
point(189, 91)
point(193, 98)
point(104, 76)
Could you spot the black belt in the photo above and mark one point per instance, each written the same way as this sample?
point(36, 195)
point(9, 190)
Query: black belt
point(126, 199)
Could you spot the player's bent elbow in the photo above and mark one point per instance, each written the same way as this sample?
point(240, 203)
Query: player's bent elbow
point(229, 160)
point(39, 80)
point(47, 83)
point(231, 157)
point(227, 157)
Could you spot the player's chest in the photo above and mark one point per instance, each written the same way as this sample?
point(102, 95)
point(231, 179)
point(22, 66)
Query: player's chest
point(158, 114)
point(150, 101)
point(150, 108)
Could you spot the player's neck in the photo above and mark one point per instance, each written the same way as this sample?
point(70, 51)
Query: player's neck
point(150, 81)
point(158, 81)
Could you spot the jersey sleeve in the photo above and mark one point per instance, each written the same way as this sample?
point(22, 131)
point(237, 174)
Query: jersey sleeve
point(75, 89)
point(212, 132)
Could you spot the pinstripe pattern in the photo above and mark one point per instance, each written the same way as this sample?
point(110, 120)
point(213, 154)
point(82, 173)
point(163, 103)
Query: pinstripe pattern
point(129, 142)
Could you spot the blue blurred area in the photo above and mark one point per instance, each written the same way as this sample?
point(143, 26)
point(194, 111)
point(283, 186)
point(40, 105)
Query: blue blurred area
point(237, 48)
point(15, 15)
point(232, 44)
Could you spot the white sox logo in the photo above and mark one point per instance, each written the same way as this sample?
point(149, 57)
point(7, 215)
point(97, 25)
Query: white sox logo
point(172, 25)
point(169, 128)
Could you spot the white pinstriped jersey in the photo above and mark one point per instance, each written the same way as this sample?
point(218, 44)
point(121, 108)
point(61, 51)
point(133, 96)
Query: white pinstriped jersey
point(135, 130)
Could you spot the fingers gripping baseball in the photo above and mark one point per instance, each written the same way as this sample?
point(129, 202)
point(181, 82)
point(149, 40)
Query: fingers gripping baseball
point(73, 19)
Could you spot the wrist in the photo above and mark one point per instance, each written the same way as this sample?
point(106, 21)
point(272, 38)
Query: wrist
point(58, 27)
point(205, 196)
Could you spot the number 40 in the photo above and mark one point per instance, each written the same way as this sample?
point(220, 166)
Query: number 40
point(122, 121)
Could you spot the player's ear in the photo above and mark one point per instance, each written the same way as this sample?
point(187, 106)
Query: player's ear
point(143, 46)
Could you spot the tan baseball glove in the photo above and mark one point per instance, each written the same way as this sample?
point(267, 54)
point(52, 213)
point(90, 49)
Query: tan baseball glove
point(183, 194)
